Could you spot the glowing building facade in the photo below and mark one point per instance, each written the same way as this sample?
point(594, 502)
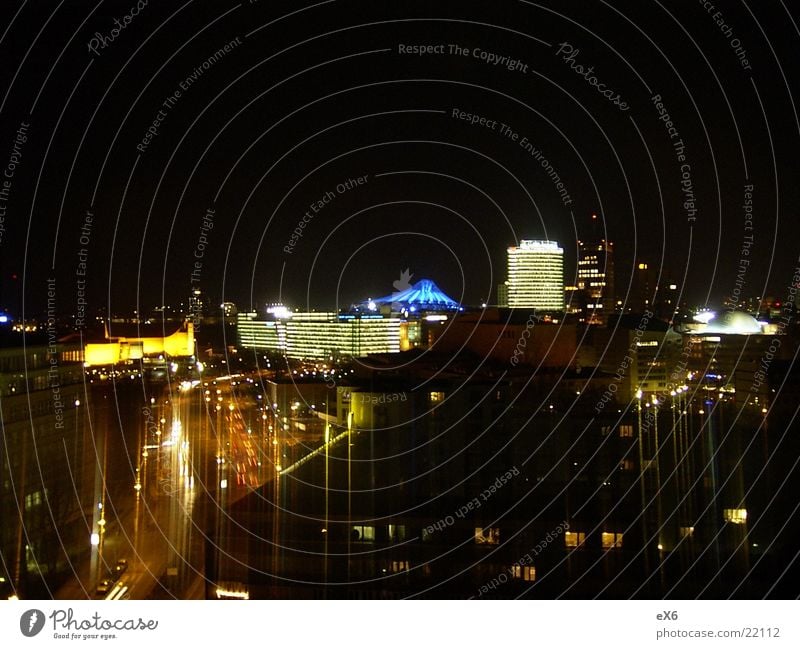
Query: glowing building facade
point(536, 275)
point(322, 335)
point(596, 278)
point(424, 295)
point(120, 349)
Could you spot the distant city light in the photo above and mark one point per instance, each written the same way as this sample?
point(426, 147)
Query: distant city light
point(704, 316)
point(279, 311)
point(223, 593)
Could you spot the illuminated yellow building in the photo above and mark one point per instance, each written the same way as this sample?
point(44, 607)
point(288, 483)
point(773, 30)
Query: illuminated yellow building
point(119, 349)
point(596, 278)
point(536, 276)
point(320, 335)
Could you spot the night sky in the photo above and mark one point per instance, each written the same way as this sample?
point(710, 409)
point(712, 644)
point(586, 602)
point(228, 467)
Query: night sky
point(260, 110)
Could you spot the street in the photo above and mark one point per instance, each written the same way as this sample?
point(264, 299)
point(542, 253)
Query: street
point(209, 448)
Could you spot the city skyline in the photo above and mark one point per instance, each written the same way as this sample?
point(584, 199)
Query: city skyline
point(742, 291)
point(624, 195)
point(594, 274)
point(370, 300)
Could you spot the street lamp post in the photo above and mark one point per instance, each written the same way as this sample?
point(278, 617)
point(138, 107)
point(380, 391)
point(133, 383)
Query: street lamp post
point(641, 479)
point(656, 451)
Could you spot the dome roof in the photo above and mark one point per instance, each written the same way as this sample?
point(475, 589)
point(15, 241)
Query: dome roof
point(422, 295)
point(733, 322)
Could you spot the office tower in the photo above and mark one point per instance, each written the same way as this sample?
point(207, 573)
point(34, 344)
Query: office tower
point(321, 335)
point(47, 462)
point(197, 306)
point(229, 309)
point(536, 275)
point(596, 278)
point(643, 288)
point(502, 294)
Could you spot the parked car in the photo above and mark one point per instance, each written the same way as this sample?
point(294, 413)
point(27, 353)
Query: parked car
point(104, 586)
point(122, 566)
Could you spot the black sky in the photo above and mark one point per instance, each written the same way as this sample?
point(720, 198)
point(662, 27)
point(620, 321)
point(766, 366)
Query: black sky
point(314, 94)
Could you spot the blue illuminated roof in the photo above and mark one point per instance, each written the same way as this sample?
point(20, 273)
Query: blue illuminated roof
point(421, 295)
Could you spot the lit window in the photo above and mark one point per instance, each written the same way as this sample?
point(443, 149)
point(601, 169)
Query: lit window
point(400, 566)
point(686, 532)
point(626, 465)
point(612, 540)
point(397, 532)
point(735, 516)
point(435, 397)
point(626, 430)
point(487, 535)
point(526, 573)
point(363, 533)
point(574, 539)
point(33, 500)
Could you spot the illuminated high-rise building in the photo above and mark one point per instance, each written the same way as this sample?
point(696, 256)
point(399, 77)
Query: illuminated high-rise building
point(536, 275)
point(596, 278)
point(643, 288)
point(502, 294)
point(321, 335)
point(196, 306)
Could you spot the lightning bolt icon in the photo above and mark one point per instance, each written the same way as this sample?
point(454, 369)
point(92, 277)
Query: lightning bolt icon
point(32, 620)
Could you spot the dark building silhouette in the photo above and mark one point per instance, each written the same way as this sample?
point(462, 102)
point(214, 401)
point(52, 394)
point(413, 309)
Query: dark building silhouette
point(595, 277)
point(46, 468)
point(438, 473)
